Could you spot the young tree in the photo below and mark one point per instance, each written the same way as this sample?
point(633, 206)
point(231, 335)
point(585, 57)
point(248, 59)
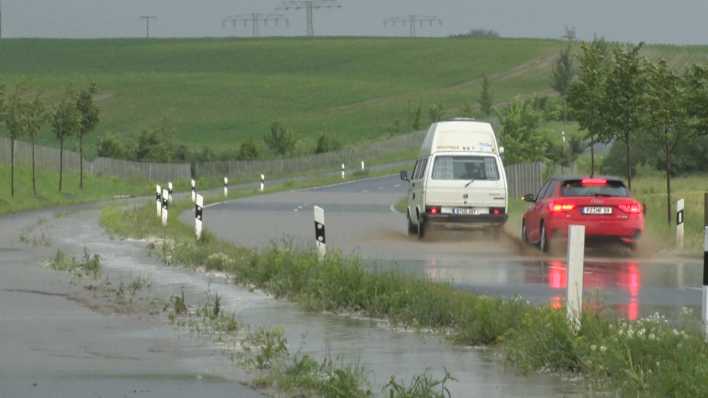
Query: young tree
point(485, 99)
point(281, 140)
point(66, 120)
point(248, 150)
point(562, 76)
point(624, 100)
point(89, 119)
point(436, 113)
point(417, 118)
point(15, 110)
point(586, 94)
point(35, 117)
point(519, 134)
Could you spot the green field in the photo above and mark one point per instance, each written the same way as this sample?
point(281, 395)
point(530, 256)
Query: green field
point(220, 91)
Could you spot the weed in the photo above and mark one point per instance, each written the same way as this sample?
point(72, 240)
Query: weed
point(88, 266)
point(422, 386)
point(264, 347)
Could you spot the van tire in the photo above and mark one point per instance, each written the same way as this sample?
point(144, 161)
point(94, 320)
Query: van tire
point(421, 227)
point(524, 233)
point(412, 227)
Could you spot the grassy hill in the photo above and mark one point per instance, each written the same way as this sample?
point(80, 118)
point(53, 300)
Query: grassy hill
point(218, 92)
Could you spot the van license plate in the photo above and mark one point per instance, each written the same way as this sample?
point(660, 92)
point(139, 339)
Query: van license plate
point(597, 210)
point(469, 211)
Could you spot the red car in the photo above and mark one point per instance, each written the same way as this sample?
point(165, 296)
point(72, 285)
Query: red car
point(603, 205)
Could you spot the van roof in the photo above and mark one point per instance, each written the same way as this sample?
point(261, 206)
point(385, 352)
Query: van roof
point(460, 135)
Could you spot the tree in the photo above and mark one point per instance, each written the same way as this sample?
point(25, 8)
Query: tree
point(89, 119)
point(417, 118)
point(66, 120)
point(35, 117)
point(519, 133)
point(281, 140)
point(325, 143)
point(623, 105)
point(436, 113)
point(587, 93)
point(485, 99)
point(248, 150)
point(562, 76)
point(14, 122)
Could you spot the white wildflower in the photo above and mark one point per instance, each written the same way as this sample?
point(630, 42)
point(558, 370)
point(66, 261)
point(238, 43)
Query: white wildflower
point(603, 348)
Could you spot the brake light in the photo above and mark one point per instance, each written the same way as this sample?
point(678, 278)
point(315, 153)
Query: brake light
point(433, 210)
point(631, 207)
point(557, 207)
point(593, 181)
point(497, 211)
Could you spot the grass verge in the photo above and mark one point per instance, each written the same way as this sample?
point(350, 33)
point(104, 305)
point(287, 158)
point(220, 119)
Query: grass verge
point(650, 357)
point(48, 195)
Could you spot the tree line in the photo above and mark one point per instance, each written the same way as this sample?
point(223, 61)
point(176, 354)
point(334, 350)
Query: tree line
point(25, 114)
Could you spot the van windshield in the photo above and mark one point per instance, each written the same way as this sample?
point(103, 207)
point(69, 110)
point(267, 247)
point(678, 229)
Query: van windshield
point(465, 168)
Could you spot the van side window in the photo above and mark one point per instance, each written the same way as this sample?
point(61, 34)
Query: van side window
point(415, 169)
point(421, 168)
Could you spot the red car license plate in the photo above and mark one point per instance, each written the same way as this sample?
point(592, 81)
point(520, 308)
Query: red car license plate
point(597, 210)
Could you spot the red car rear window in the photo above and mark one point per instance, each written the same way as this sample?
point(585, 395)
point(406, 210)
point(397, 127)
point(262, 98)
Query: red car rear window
point(607, 188)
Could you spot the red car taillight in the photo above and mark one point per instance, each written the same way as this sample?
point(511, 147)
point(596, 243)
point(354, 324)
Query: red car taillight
point(560, 207)
point(630, 207)
point(433, 210)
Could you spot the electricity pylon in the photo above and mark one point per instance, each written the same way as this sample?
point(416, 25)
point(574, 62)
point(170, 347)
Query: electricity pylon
point(255, 19)
point(309, 6)
point(147, 19)
point(412, 21)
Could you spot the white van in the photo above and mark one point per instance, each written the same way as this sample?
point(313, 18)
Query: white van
point(458, 178)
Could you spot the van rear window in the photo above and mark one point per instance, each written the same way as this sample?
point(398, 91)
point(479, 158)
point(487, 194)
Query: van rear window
point(465, 168)
point(593, 188)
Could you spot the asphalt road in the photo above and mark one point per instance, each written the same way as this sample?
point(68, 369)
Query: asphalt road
point(361, 220)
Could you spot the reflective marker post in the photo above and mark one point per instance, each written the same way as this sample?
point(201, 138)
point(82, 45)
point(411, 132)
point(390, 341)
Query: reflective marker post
point(194, 190)
point(705, 263)
point(320, 239)
point(158, 200)
point(575, 259)
point(680, 219)
point(363, 166)
point(165, 205)
point(262, 182)
point(342, 171)
point(169, 191)
point(226, 187)
point(198, 216)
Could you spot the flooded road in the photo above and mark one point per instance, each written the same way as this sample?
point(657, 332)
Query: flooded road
point(360, 220)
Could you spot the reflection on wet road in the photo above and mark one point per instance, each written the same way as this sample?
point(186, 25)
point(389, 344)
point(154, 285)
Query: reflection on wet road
point(360, 220)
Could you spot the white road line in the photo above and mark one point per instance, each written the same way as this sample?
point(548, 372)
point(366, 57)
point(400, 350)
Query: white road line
point(394, 209)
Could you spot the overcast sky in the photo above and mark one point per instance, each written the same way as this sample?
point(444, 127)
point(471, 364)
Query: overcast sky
point(678, 21)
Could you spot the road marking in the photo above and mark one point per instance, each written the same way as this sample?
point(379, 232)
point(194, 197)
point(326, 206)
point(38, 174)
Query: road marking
point(397, 186)
point(394, 209)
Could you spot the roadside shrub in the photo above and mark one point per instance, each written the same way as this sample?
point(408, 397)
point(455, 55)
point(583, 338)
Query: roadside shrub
point(326, 143)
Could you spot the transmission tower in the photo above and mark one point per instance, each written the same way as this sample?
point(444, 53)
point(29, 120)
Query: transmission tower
point(309, 6)
point(0, 19)
point(413, 21)
point(147, 19)
point(256, 20)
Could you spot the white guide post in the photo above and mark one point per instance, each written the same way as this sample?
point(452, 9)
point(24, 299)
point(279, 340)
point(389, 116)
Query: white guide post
point(320, 239)
point(165, 205)
point(158, 200)
point(680, 218)
point(169, 190)
point(575, 259)
point(194, 191)
point(226, 187)
point(262, 182)
point(363, 166)
point(198, 216)
point(704, 306)
point(342, 171)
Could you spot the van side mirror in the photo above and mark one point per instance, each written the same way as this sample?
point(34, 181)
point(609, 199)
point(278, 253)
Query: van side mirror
point(529, 197)
point(404, 175)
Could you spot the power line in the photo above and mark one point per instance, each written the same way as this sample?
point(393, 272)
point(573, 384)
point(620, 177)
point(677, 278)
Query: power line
point(309, 6)
point(147, 19)
point(256, 20)
point(413, 21)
